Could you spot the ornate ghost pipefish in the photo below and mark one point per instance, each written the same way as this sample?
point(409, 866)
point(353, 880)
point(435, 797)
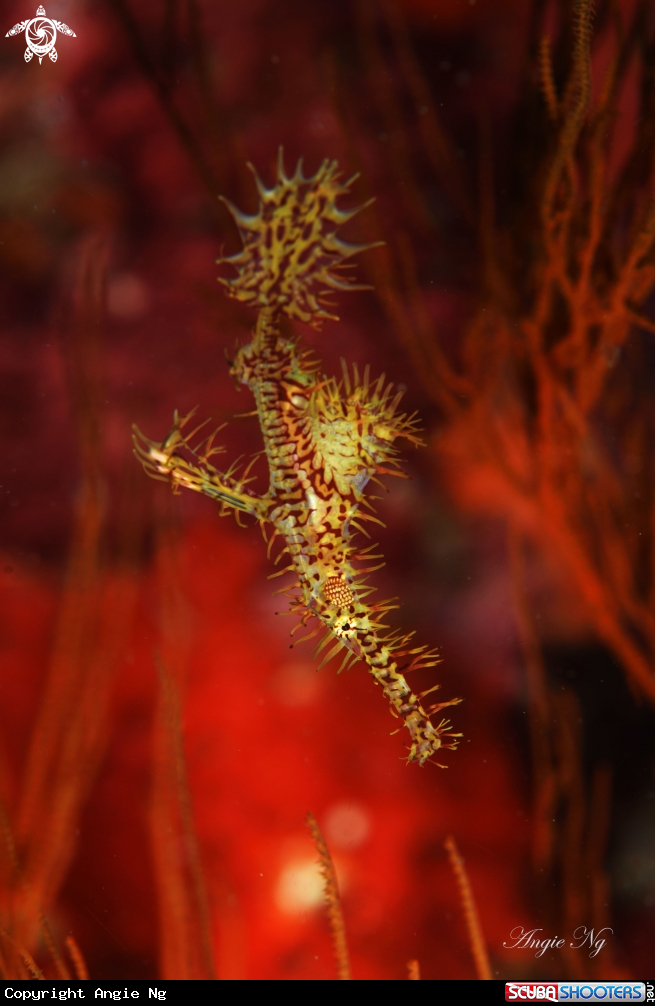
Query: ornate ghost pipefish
point(324, 440)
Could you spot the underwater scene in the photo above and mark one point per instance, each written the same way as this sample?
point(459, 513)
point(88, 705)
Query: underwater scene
point(327, 508)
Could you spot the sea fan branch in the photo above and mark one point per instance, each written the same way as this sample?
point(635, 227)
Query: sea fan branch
point(332, 900)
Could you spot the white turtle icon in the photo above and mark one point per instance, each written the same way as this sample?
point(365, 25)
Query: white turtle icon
point(40, 35)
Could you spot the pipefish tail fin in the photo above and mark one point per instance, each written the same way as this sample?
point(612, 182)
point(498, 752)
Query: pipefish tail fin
point(291, 257)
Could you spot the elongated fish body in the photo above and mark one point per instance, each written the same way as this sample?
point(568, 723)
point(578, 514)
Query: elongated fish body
point(324, 441)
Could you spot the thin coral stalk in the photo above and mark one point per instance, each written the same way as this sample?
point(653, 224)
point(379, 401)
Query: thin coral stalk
point(575, 100)
point(544, 788)
point(386, 98)
point(22, 905)
point(332, 900)
point(162, 88)
point(79, 964)
point(546, 78)
point(71, 729)
point(478, 946)
point(571, 790)
point(52, 948)
point(28, 961)
point(413, 970)
point(439, 147)
point(186, 937)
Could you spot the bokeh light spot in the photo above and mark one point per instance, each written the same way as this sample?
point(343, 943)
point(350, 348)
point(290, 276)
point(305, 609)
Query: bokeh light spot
point(299, 887)
point(127, 296)
point(296, 684)
point(347, 825)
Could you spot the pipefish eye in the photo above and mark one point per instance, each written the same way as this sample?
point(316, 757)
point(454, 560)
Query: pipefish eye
point(345, 627)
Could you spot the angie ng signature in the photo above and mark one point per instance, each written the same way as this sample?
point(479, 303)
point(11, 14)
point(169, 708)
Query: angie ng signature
point(522, 939)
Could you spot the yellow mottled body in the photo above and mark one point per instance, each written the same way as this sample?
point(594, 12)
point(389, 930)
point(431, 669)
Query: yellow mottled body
point(324, 440)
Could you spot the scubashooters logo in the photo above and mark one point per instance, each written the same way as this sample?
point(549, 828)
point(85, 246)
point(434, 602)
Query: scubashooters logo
point(40, 35)
point(575, 992)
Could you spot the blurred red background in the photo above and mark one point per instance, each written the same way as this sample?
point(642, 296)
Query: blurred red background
point(112, 160)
